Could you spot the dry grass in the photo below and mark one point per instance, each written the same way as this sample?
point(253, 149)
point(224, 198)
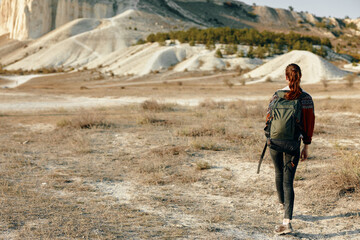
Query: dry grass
point(207, 143)
point(202, 165)
point(153, 105)
point(211, 104)
point(338, 105)
point(347, 176)
point(85, 120)
point(156, 173)
point(152, 120)
point(202, 131)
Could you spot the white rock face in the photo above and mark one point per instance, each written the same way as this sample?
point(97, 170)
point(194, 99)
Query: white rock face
point(68, 10)
point(25, 19)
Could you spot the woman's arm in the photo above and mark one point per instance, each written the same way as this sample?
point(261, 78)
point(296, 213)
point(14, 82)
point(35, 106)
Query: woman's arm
point(308, 118)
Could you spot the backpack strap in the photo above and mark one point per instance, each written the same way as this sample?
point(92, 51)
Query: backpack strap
point(262, 157)
point(281, 93)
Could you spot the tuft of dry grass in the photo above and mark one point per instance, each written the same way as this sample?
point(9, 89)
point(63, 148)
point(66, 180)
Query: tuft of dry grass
point(162, 170)
point(248, 109)
point(153, 105)
point(211, 104)
point(228, 83)
point(207, 143)
point(169, 151)
point(348, 173)
point(153, 120)
point(85, 121)
point(202, 165)
point(202, 131)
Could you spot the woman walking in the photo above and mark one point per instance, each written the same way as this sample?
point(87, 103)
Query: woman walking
point(284, 139)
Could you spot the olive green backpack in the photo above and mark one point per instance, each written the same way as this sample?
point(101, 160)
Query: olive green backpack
point(283, 127)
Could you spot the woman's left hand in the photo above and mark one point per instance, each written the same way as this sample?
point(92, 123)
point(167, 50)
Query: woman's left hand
point(304, 153)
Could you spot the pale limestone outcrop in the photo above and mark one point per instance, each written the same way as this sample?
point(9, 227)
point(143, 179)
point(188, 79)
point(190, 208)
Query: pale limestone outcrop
point(25, 19)
point(68, 10)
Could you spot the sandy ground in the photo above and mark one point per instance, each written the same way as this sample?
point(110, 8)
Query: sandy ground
point(227, 201)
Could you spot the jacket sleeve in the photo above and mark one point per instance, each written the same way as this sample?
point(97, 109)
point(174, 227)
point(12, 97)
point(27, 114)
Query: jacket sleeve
point(308, 118)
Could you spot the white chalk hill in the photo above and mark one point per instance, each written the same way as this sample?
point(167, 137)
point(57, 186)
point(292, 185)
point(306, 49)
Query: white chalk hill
point(81, 42)
point(314, 68)
point(147, 58)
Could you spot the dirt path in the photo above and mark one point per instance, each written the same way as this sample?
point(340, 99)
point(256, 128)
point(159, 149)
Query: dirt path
point(11, 102)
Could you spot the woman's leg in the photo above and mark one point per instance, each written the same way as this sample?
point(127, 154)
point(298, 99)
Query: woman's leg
point(277, 158)
point(288, 183)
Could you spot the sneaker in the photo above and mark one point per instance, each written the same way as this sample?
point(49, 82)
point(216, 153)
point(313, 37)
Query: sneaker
point(283, 229)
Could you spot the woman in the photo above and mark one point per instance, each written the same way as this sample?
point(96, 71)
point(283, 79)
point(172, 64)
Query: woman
point(285, 163)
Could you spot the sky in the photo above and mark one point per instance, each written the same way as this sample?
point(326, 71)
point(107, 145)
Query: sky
point(321, 8)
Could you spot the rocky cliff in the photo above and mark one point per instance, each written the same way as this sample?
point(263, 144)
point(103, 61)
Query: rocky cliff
point(30, 19)
point(25, 19)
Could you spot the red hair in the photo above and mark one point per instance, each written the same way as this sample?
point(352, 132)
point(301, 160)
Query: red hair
point(293, 74)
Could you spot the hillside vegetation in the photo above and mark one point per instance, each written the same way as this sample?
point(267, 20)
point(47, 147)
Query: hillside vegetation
point(270, 42)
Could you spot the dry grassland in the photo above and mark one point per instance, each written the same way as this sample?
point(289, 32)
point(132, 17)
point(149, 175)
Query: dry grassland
point(165, 171)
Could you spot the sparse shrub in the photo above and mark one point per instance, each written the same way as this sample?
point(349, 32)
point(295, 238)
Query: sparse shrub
point(321, 25)
point(210, 46)
point(169, 151)
point(85, 121)
point(80, 144)
point(153, 105)
point(242, 81)
point(208, 103)
point(228, 83)
point(268, 79)
point(241, 53)
point(247, 109)
point(201, 63)
point(152, 120)
point(206, 143)
point(347, 177)
point(251, 14)
point(325, 83)
point(350, 79)
point(202, 165)
point(231, 49)
point(202, 131)
point(352, 25)
point(218, 53)
point(250, 53)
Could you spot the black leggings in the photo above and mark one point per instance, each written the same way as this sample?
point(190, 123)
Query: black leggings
point(284, 178)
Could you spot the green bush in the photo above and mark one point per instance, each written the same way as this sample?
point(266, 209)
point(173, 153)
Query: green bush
point(226, 35)
point(218, 53)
